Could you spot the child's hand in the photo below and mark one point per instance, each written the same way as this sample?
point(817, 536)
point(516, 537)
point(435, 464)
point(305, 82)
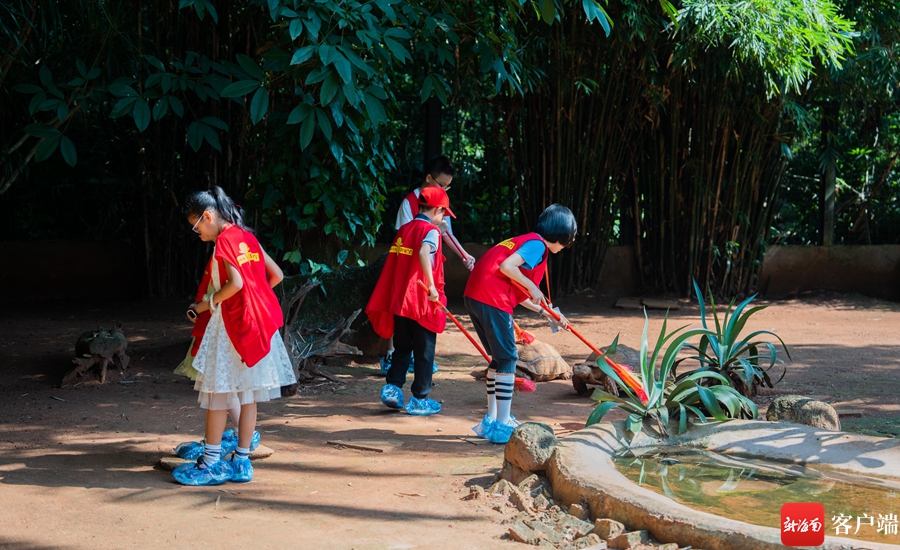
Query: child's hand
point(433, 294)
point(445, 229)
point(558, 325)
point(469, 260)
point(536, 295)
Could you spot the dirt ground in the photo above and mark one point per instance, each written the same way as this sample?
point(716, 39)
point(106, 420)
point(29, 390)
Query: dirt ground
point(77, 462)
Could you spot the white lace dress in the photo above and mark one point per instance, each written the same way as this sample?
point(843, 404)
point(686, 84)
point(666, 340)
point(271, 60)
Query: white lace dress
point(224, 380)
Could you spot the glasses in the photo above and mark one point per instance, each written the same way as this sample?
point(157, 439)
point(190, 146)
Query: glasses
point(444, 184)
point(194, 227)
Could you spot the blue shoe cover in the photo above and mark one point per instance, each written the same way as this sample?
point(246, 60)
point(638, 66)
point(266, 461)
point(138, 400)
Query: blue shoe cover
point(500, 433)
point(482, 429)
point(385, 364)
point(241, 469)
point(392, 396)
point(191, 474)
point(411, 370)
point(422, 407)
point(254, 441)
point(191, 450)
point(229, 443)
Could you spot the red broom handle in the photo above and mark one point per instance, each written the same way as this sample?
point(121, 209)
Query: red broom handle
point(557, 317)
point(459, 326)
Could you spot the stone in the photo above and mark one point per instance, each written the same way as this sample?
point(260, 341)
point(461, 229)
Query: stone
point(579, 511)
point(668, 546)
point(261, 452)
point(578, 527)
point(476, 492)
point(590, 542)
point(628, 540)
point(531, 484)
point(169, 463)
point(513, 473)
point(544, 531)
point(530, 446)
point(803, 410)
point(541, 502)
point(522, 533)
point(608, 528)
point(520, 500)
point(502, 487)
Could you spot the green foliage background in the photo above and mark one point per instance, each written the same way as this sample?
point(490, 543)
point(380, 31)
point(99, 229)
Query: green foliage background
point(667, 126)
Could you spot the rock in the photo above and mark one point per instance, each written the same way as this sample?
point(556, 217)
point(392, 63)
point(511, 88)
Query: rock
point(590, 542)
point(608, 528)
point(169, 463)
point(513, 473)
point(668, 546)
point(544, 531)
point(261, 452)
point(803, 410)
point(521, 501)
point(628, 540)
point(541, 502)
point(522, 533)
point(531, 446)
point(476, 492)
point(579, 528)
point(502, 487)
point(531, 485)
point(579, 511)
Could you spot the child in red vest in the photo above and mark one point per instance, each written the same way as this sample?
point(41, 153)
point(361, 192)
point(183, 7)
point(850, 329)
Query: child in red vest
point(490, 298)
point(439, 171)
point(399, 307)
point(241, 359)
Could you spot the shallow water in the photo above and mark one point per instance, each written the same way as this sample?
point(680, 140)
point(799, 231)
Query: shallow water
point(753, 490)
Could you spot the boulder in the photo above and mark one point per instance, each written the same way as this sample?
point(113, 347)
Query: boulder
point(803, 410)
point(530, 447)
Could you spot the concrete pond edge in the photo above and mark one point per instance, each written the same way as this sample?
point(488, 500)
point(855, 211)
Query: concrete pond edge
point(581, 470)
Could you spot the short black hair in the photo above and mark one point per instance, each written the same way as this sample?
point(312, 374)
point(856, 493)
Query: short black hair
point(557, 225)
point(439, 165)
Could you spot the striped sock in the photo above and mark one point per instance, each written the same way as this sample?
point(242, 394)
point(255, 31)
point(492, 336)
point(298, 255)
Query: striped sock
point(241, 452)
point(505, 384)
point(491, 396)
point(211, 454)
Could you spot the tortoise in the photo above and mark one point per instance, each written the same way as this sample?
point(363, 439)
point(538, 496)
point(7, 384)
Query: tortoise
point(588, 373)
point(99, 347)
point(538, 361)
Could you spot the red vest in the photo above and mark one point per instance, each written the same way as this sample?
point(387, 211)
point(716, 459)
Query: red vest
point(490, 286)
point(253, 314)
point(413, 201)
point(398, 291)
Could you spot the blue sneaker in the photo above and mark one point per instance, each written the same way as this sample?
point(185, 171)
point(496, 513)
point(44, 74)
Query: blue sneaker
point(386, 364)
point(241, 469)
point(192, 474)
point(482, 429)
point(191, 450)
point(392, 396)
point(500, 433)
point(422, 407)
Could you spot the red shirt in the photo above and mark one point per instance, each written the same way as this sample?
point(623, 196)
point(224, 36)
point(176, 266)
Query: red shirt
point(398, 292)
point(413, 201)
point(490, 286)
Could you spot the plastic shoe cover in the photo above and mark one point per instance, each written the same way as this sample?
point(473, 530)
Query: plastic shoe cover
point(241, 469)
point(500, 433)
point(254, 441)
point(482, 429)
point(411, 370)
point(191, 474)
point(385, 364)
point(392, 396)
point(191, 450)
point(422, 407)
point(512, 421)
point(229, 443)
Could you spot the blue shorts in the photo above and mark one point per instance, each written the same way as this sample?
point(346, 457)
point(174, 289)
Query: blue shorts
point(495, 330)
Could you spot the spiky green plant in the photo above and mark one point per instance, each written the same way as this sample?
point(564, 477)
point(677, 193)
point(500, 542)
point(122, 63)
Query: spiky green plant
point(692, 395)
point(745, 360)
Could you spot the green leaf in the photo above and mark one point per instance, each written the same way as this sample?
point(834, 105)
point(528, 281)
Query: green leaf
point(27, 88)
point(398, 49)
point(426, 89)
point(374, 109)
point(123, 107)
point(176, 105)
point(67, 148)
point(296, 29)
point(195, 136)
point(155, 62)
point(342, 256)
point(259, 105)
point(342, 65)
point(47, 81)
point(209, 134)
point(82, 70)
point(41, 130)
point(122, 90)
point(307, 130)
point(329, 89)
point(46, 148)
point(141, 114)
point(599, 412)
point(161, 108)
point(298, 113)
point(324, 123)
point(548, 11)
point(240, 88)
point(250, 67)
point(303, 54)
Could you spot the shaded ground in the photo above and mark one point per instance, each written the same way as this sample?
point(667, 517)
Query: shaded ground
point(77, 463)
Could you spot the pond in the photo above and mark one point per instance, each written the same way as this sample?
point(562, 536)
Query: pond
point(753, 490)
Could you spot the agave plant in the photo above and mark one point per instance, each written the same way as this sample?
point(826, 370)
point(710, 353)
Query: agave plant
point(692, 395)
point(746, 361)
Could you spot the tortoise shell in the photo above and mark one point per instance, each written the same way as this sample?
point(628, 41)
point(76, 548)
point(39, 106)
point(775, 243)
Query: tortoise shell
point(541, 362)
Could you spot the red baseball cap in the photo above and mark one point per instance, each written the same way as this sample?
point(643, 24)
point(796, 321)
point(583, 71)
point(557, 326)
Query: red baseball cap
point(433, 197)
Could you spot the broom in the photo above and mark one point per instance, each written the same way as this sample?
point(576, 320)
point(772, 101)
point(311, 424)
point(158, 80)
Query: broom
point(521, 384)
point(623, 372)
